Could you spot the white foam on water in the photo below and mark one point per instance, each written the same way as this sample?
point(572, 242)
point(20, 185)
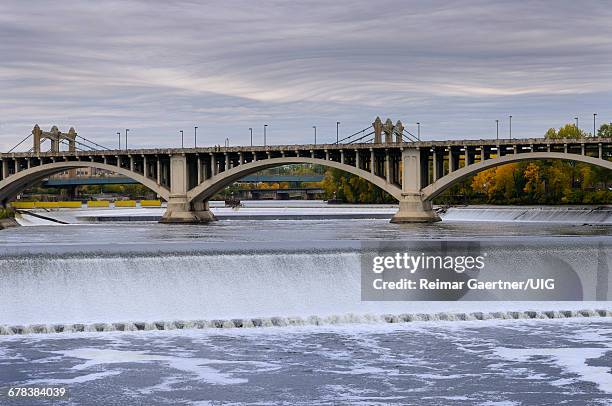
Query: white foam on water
point(78, 379)
point(198, 368)
point(573, 360)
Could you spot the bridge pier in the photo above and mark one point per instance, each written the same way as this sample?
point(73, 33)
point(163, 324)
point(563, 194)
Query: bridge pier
point(180, 209)
point(413, 209)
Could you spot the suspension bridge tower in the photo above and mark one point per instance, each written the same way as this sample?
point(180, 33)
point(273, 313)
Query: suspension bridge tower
point(55, 136)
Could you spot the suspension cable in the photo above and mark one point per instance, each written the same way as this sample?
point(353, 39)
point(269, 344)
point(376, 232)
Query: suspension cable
point(20, 142)
point(352, 135)
point(91, 142)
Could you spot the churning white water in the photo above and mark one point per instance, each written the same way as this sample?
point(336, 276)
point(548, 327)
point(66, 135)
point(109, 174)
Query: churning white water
point(131, 292)
point(547, 214)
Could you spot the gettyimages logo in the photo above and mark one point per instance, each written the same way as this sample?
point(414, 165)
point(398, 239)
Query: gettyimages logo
point(412, 263)
point(465, 270)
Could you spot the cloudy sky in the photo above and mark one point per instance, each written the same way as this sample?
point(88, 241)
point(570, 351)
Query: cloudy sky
point(225, 66)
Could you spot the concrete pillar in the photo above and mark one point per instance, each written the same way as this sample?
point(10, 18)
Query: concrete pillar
point(412, 207)
point(180, 209)
point(436, 175)
point(227, 163)
point(254, 156)
point(105, 160)
point(357, 163)
point(469, 159)
point(213, 164)
point(200, 169)
point(16, 163)
point(565, 148)
point(29, 162)
point(581, 149)
point(241, 157)
point(158, 164)
point(326, 155)
point(118, 161)
point(387, 167)
point(312, 153)
point(514, 149)
point(341, 156)
point(451, 160)
point(600, 151)
point(483, 154)
point(547, 147)
point(5, 168)
point(372, 162)
point(145, 169)
point(131, 163)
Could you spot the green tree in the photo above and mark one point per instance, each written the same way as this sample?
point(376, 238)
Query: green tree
point(567, 131)
point(605, 131)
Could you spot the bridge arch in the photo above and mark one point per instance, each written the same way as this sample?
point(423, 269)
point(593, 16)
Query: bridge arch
point(209, 187)
point(435, 189)
point(14, 184)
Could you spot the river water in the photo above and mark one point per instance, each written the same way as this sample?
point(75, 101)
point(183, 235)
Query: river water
point(270, 311)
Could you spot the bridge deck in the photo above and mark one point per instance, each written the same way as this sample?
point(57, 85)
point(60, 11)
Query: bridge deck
point(303, 147)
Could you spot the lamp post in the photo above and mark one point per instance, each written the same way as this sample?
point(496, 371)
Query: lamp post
point(418, 131)
point(337, 132)
point(315, 133)
point(126, 138)
point(119, 137)
point(251, 130)
point(576, 118)
point(594, 115)
point(265, 126)
point(497, 129)
point(510, 127)
point(195, 137)
point(182, 139)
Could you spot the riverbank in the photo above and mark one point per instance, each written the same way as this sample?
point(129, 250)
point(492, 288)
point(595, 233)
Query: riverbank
point(8, 223)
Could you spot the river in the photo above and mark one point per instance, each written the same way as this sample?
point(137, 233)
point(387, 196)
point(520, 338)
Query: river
point(248, 311)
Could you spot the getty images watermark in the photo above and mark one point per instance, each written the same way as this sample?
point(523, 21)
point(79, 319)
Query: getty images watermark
point(459, 270)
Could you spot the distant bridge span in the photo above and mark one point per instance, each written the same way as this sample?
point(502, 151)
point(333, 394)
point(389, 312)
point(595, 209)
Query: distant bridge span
point(413, 172)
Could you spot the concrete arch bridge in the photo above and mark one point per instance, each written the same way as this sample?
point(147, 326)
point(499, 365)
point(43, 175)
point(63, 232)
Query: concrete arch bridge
point(414, 172)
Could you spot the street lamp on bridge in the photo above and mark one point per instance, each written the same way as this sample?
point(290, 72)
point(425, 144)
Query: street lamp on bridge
point(337, 132)
point(265, 126)
point(418, 131)
point(315, 133)
point(594, 115)
point(251, 130)
point(119, 137)
point(576, 118)
point(126, 138)
point(195, 137)
point(510, 127)
point(182, 139)
point(497, 129)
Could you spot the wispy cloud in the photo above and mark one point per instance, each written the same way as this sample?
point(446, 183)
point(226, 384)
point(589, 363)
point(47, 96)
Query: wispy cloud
point(157, 67)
